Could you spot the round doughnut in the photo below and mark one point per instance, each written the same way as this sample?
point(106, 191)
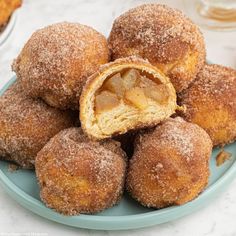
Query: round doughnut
point(164, 36)
point(80, 176)
point(170, 165)
point(211, 103)
point(26, 125)
point(57, 60)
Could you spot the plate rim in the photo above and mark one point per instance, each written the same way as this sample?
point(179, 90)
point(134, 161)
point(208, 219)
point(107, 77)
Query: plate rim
point(5, 34)
point(115, 222)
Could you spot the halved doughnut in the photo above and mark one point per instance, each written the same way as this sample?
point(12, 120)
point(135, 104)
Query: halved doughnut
point(123, 95)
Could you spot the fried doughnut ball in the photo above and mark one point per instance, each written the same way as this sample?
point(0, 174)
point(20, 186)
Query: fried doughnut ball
point(164, 36)
point(211, 103)
point(170, 165)
point(77, 175)
point(26, 125)
point(6, 9)
point(56, 61)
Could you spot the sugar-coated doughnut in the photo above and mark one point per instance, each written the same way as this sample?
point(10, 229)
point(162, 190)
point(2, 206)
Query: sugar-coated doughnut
point(164, 36)
point(170, 165)
point(77, 175)
point(211, 103)
point(57, 60)
point(26, 125)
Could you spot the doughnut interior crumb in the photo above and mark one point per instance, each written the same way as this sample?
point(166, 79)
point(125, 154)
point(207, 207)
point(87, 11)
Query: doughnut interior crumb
point(125, 95)
point(131, 95)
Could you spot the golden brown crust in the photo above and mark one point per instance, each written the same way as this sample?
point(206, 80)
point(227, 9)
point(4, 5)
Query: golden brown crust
point(211, 103)
point(26, 125)
point(57, 60)
point(77, 175)
point(164, 36)
point(170, 165)
point(6, 9)
point(95, 82)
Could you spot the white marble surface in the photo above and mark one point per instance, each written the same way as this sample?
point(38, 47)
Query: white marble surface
point(217, 219)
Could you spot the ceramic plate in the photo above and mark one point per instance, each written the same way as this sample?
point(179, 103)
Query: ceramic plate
point(4, 35)
point(22, 186)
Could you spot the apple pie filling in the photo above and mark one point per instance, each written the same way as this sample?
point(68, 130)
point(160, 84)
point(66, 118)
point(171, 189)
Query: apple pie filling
point(132, 88)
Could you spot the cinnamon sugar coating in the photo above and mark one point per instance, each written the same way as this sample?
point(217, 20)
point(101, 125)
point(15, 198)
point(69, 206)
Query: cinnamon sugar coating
point(57, 60)
point(77, 175)
point(26, 125)
point(211, 103)
point(164, 36)
point(170, 165)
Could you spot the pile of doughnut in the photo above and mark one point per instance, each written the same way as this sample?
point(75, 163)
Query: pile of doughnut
point(137, 112)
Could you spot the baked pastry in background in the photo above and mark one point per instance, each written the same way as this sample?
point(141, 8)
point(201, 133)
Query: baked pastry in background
point(57, 60)
point(126, 94)
point(26, 125)
point(211, 103)
point(170, 165)
point(164, 36)
point(77, 175)
point(7, 7)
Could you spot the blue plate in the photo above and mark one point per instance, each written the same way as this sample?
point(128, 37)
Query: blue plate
point(22, 186)
point(5, 34)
